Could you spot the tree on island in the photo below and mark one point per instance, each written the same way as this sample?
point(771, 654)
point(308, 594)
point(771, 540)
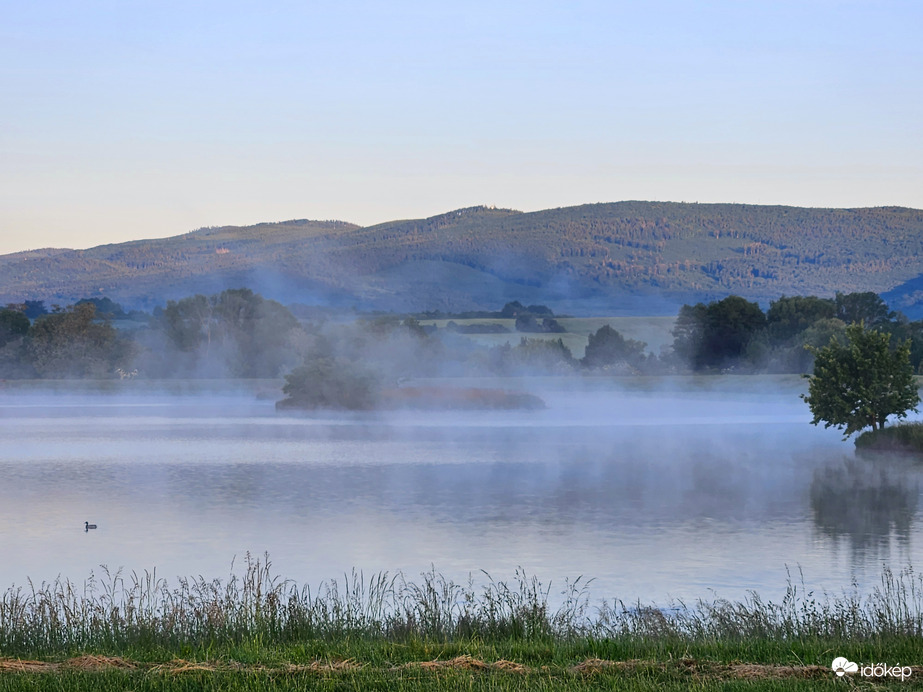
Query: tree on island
point(326, 382)
point(859, 384)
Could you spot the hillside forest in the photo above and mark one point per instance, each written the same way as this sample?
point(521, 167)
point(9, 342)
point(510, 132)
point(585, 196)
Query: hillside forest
point(618, 258)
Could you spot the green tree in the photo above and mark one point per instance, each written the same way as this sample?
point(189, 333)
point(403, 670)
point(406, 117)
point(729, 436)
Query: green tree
point(912, 331)
point(688, 332)
point(105, 307)
point(860, 383)
point(608, 348)
point(541, 355)
point(790, 355)
point(329, 383)
point(531, 356)
point(788, 316)
point(14, 325)
point(257, 330)
point(716, 335)
point(73, 343)
point(513, 309)
point(867, 307)
point(237, 331)
point(189, 323)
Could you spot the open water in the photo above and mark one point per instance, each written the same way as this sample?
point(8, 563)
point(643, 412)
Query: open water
point(657, 490)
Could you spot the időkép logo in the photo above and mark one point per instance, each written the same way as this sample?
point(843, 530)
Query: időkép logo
point(843, 666)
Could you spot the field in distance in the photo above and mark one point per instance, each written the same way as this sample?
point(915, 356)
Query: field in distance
point(654, 330)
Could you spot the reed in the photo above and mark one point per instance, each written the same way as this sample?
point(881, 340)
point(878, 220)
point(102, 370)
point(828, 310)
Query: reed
point(143, 612)
point(903, 437)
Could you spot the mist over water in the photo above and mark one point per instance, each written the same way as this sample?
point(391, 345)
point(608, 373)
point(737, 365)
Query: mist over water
point(655, 488)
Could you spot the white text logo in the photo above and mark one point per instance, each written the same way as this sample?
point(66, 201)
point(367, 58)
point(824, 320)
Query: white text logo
point(841, 666)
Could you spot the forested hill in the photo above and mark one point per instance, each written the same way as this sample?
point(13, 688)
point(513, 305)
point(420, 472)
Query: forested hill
point(609, 256)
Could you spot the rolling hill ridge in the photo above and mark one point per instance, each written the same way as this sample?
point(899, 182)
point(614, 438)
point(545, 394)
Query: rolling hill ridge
point(617, 257)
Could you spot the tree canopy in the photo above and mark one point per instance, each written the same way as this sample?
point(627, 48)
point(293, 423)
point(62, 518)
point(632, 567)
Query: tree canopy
point(608, 348)
point(866, 307)
point(716, 335)
point(236, 329)
point(329, 383)
point(73, 343)
point(860, 383)
point(790, 315)
point(13, 325)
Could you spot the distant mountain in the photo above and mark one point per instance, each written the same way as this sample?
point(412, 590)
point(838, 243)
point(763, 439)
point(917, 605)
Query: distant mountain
point(619, 257)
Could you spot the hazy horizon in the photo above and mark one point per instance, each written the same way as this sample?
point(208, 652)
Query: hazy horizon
point(147, 120)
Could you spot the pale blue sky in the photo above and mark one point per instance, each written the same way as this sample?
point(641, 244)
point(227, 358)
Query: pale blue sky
point(122, 120)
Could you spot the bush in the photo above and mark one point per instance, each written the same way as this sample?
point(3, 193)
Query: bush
point(329, 383)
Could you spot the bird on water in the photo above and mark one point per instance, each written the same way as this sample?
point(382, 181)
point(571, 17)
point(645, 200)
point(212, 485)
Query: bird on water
point(87, 526)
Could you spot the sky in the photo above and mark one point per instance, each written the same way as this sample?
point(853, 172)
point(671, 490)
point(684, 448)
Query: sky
point(126, 120)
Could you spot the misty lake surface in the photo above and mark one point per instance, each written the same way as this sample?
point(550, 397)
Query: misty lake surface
point(657, 489)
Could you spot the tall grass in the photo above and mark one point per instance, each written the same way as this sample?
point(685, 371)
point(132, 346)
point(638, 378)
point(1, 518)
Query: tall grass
point(903, 437)
point(143, 611)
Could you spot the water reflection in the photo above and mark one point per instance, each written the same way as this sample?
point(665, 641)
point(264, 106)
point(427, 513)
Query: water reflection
point(721, 493)
point(868, 502)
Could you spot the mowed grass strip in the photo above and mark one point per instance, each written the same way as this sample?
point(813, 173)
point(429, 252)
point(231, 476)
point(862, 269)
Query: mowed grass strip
point(461, 672)
point(591, 666)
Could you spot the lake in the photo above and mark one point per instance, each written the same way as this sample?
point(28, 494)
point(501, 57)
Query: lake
point(657, 489)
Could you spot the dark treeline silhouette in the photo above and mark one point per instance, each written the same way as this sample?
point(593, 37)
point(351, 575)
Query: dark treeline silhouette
point(734, 334)
point(239, 334)
point(236, 333)
point(64, 343)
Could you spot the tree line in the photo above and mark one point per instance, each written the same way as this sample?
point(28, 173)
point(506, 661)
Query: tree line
point(239, 334)
point(734, 334)
point(236, 333)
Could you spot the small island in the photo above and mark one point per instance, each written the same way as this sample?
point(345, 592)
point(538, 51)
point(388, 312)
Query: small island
point(333, 384)
point(904, 438)
point(425, 399)
point(859, 383)
point(458, 398)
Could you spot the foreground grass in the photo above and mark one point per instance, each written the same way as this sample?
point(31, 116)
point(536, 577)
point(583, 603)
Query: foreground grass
point(257, 631)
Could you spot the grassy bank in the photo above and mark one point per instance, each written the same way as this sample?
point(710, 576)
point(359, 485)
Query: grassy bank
point(903, 437)
point(256, 630)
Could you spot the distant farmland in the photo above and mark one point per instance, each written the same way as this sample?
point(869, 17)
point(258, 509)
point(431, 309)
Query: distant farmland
point(655, 331)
